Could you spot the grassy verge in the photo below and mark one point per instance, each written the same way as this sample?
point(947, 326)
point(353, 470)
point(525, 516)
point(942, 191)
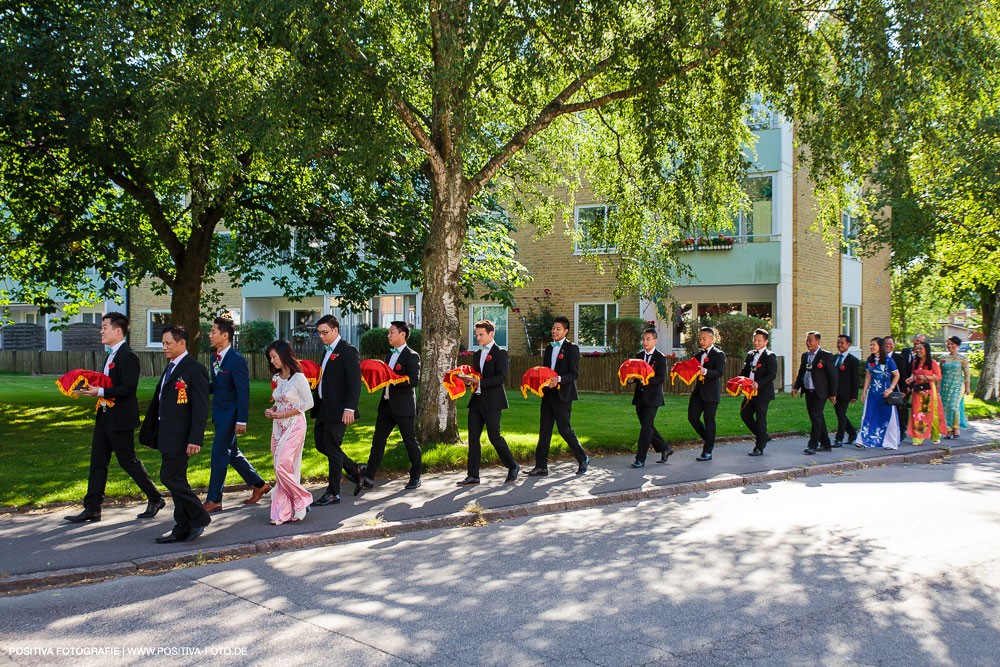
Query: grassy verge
point(45, 436)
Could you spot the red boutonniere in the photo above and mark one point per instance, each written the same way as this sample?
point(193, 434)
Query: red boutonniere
point(560, 356)
point(842, 367)
point(488, 357)
point(758, 365)
point(399, 367)
point(111, 365)
point(181, 388)
point(819, 365)
point(333, 356)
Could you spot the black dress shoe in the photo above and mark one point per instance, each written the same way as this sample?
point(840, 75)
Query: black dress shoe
point(756, 452)
point(512, 474)
point(167, 539)
point(837, 444)
point(584, 466)
point(194, 534)
point(412, 484)
point(704, 457)
point(84, 516)
point(469, 481)
point(828, 448)
point(665, 454)
point(152, 508)
point(327, 499)
point(537, 472)
point(638, 464)
point(359, 481)
point(808, 450)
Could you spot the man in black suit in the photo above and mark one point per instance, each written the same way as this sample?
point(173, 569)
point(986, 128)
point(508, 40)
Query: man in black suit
point(336, 404)
point(487, 403)
point(647, 399)
point(761, 366)
point(397, 407)
point(558, 395)
point(847, 389)
point(114, 426)
point(902, 361)
point(175, 425)
point(817, 379)
point(707, 392)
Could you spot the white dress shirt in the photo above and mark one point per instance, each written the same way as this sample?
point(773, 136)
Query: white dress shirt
point(482, 363)
point(753, 362)
point(392, 364)
point(107, 364)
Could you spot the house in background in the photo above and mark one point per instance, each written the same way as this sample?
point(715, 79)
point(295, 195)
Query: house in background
point(778, 268)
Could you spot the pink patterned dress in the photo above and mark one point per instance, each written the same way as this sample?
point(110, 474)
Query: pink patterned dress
point(289, 499)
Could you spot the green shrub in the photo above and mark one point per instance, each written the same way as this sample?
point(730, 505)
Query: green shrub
point(255, 335)
point(374, 342)
point(415, 341)
point(203, 330)
point(625, 334)
point(735, 333)
point(975, 358)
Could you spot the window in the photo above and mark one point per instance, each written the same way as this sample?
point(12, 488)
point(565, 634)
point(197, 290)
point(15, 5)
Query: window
point(681, 316)
point(495, 314)
point(849, 245)
point(756, 224)
point(849, 322)
point(91, 318)
point(759, 116)
point(593, 229)
point(592, 323)
point(296, 325)
point(391, 308)
point(31, 318)
point(713, 309)
point(762, 310)
point(156, 322)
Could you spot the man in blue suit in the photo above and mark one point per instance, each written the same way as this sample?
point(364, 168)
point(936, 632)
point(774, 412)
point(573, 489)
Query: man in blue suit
point(230, 386)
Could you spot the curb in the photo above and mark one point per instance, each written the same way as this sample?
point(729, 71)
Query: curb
point(24, 583)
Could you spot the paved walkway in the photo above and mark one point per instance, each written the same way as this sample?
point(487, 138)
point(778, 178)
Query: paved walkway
point(42, 549)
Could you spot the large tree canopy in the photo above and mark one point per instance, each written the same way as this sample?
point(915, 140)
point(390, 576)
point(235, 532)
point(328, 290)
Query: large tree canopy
point(646, 103)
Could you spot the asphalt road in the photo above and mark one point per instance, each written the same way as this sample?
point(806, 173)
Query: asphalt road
point(883, 566)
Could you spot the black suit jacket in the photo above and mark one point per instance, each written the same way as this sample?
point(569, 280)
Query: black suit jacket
point(402, 401)
point(494, 378)
point(124, 416)
point(902, 361)
point(171, 426)
point(710, 390)
point(651, 395)
point(568, 368)
point(764, 374)
point(824, 374)
point(341, 381)
point(847, 379)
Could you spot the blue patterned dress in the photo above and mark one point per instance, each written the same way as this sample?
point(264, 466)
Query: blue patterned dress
point(880, 422)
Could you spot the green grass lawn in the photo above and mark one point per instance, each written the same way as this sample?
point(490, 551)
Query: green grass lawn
point(45, 436)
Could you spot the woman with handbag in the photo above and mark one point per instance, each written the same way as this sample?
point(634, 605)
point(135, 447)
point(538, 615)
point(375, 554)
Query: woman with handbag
point(879, 420)
point(926, 412)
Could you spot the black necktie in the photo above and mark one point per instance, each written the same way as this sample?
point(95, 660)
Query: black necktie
point(170, 369)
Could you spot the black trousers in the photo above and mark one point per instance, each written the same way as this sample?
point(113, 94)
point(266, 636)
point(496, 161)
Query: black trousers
point(329, 440)
point(648, 435)
point(479, 416)
point(188, 510)
point(904, 413)
point(706, 431)
point(122, 444)
point(558, 413)
point(754, 414)
point(818, 435)
point(844, 424)
point(384, 423)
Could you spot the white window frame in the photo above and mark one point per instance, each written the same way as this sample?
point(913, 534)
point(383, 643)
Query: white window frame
point(149, 327)
point(473, 343)
point(576, 319)
point(845, 322)
point(849, 235)
point(577, 249)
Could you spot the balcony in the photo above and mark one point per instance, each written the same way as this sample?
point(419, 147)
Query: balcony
point(748, 262)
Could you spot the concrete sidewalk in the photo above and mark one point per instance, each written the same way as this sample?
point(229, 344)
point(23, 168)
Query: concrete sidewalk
point(44, 550)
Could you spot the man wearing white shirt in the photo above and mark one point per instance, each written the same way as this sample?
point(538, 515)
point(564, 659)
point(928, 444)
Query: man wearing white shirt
point(707, 392)
point(336, 405)
point(761, 366)
point(558, 395)
point(114, 425)
point(397, 408)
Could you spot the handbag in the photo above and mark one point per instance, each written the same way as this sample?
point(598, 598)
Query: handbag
point(894, 398)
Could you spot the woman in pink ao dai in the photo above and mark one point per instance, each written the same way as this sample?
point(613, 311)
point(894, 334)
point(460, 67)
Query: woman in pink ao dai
point(292, 398)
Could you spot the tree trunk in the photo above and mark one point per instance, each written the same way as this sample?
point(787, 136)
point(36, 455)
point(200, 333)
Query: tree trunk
point(441, 263)
point(185, 301)
point(988, 388)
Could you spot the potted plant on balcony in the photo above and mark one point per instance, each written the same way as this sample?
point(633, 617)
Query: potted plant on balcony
point(688, 245)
